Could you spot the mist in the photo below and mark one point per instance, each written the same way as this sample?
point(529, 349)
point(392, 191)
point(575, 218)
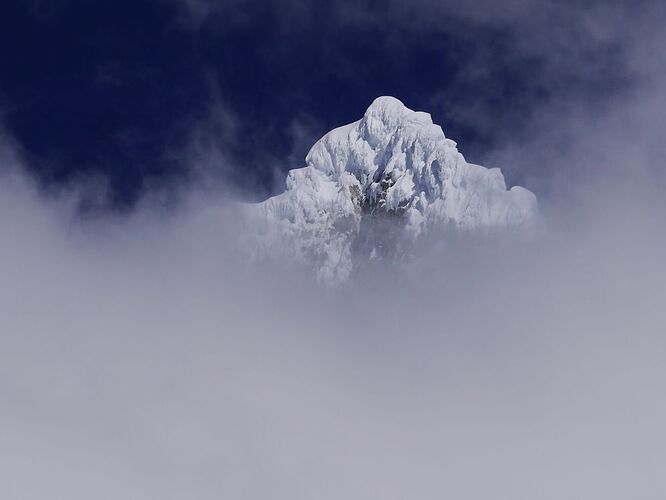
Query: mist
point(142, 356)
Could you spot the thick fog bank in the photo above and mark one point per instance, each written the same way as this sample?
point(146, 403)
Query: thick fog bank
point(141, 358)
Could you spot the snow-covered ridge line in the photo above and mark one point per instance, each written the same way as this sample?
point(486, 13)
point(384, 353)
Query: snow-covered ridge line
point(395, 164)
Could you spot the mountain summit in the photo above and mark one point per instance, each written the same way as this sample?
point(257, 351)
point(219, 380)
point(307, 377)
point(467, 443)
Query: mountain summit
point(372, 188)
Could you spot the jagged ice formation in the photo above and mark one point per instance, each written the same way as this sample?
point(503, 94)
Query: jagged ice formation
point(370, 186)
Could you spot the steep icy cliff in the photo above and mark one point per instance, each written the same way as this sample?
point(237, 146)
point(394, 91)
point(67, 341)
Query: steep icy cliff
point(375, 186)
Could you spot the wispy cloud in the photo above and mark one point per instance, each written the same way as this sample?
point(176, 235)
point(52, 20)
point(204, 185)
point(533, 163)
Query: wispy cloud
point(510, 59)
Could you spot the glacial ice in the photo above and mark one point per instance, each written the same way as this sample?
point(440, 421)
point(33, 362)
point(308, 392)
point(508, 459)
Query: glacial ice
point(395, 164)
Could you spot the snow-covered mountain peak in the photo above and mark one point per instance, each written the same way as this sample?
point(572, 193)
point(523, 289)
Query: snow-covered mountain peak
point(372, 188)
point(382, 119)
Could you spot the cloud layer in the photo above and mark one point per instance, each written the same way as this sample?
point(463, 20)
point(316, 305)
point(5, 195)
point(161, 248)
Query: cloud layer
point(141, 358)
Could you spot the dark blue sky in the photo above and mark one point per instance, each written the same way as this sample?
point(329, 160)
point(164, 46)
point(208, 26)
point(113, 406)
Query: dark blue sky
point(133, 91)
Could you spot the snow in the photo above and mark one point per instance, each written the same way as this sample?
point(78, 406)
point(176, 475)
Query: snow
point(392, 162)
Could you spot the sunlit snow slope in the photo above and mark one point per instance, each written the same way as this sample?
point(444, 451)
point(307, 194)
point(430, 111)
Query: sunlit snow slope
point(370, 186)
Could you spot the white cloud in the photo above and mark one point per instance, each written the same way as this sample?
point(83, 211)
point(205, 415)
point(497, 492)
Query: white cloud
point(140, 359)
